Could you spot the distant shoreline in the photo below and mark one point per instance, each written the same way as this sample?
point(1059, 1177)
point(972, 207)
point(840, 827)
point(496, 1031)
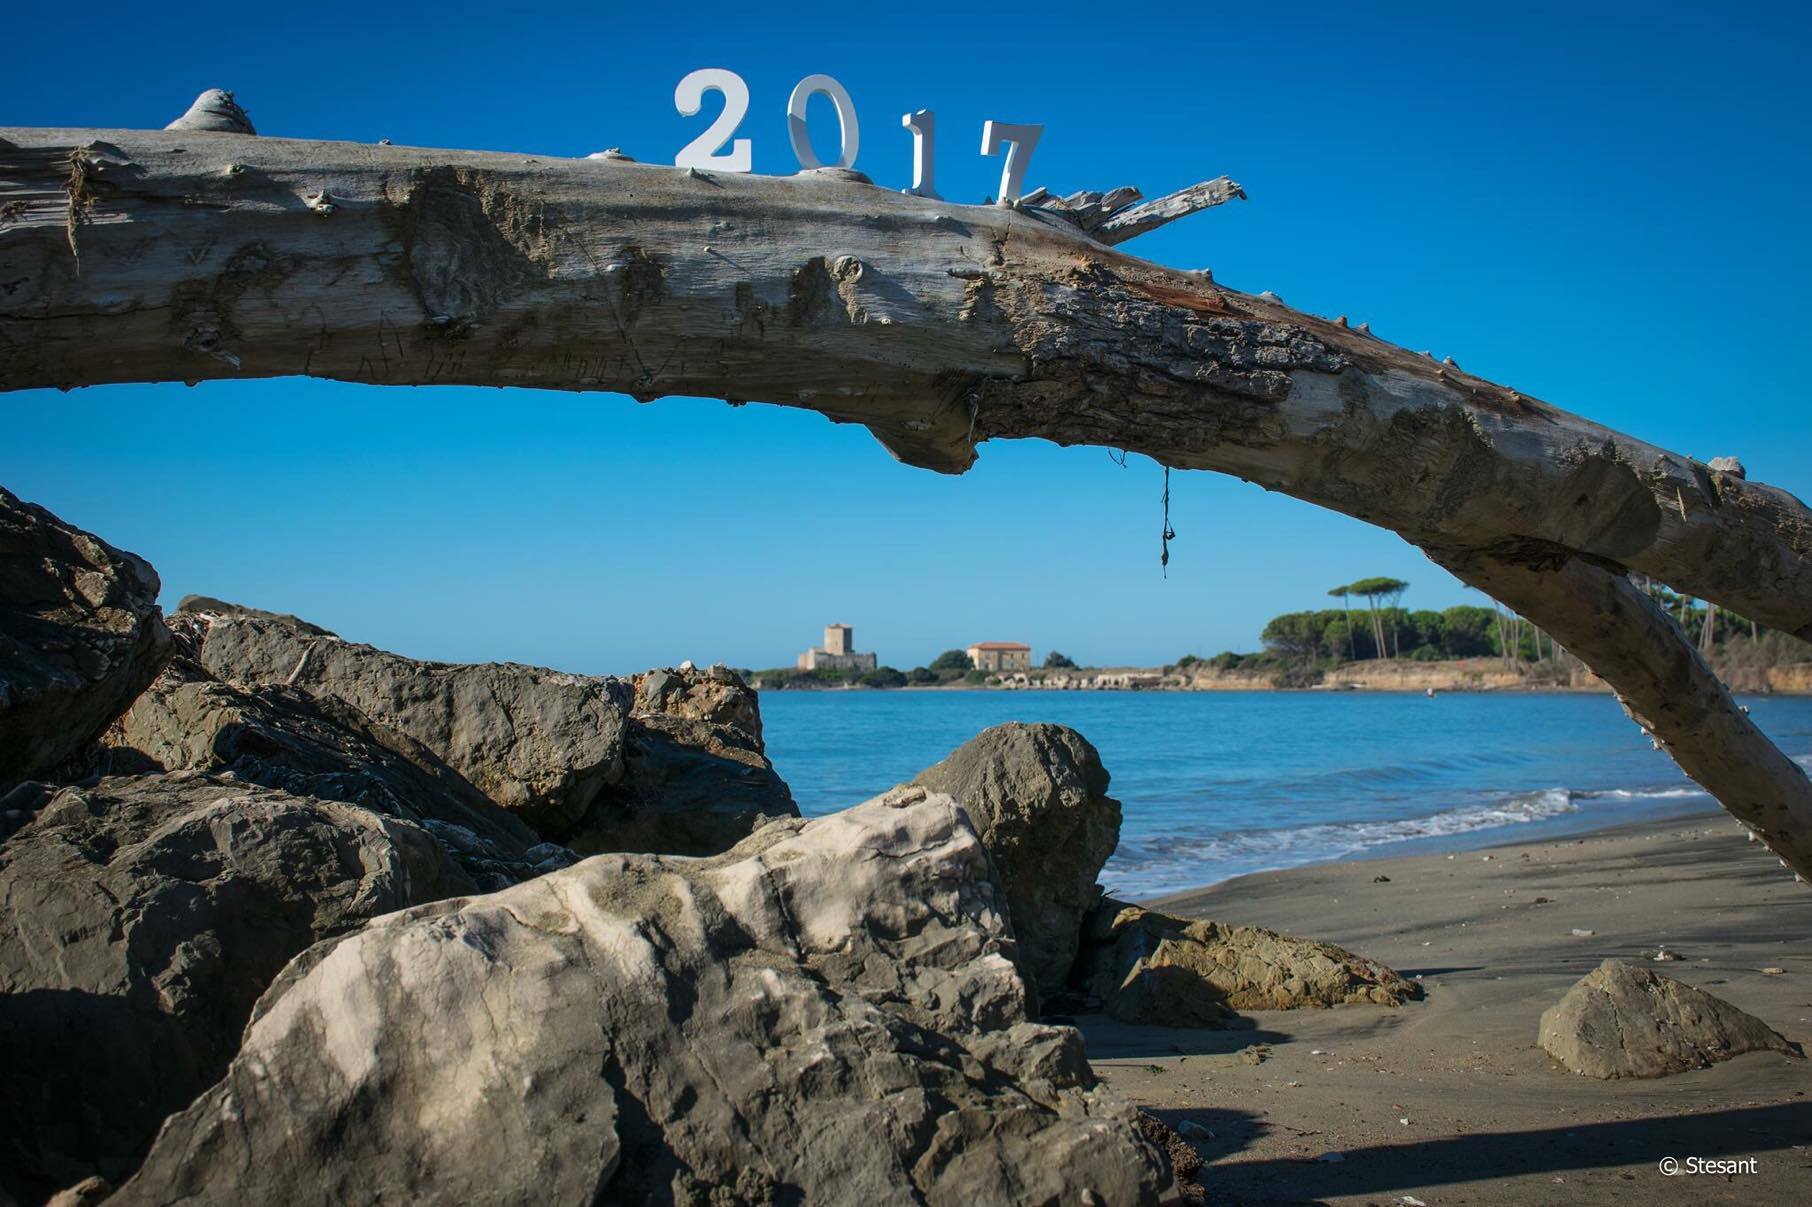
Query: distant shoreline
point(1469, 675)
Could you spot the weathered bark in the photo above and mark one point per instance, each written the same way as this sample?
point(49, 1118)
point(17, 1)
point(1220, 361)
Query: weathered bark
point(134, 256)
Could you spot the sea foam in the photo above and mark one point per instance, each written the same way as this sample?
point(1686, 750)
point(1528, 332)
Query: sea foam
point(1156, 865)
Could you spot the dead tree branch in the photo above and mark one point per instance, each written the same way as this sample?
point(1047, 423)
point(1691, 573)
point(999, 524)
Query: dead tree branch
point(217, 255)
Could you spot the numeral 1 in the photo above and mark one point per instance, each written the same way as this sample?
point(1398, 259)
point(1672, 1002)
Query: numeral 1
point(923, 124)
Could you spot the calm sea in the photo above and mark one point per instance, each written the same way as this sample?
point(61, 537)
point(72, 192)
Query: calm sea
point(1217, 784)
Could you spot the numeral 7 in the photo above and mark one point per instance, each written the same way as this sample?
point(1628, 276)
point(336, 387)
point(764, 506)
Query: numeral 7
point(1021, 142)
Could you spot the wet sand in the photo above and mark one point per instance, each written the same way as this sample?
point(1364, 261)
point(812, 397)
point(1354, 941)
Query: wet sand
point(1448, 1100)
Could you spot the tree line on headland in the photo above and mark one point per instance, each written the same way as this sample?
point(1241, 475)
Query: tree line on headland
point(1371, 624)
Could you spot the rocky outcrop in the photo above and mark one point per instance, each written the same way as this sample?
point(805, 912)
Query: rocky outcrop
point(140, 918)
point(1147, 967)
point(80, 636)
point(670, 762)
point(825, 1014)
point(537, 742)
point(696, 779)
point(1037, 795)
point(1624, 1020)
point(282, 737)
point(717, 697)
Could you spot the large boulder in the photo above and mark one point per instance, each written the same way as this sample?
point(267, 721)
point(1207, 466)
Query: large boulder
point(1624, 1020)
point(1037, 795)
point(283, 737)
point(671, 761)
point(535, 741)
point(140, 918)
point(80, 636)
point(825, 1014)
point(1150, 968)
point(696, 778)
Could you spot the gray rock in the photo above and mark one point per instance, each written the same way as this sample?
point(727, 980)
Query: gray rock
point(140, 918)
point(671, 761)
point(83, 1194)
point(696, 779)
point(214, 109)
point(537, 742)
point(283, 737)
point(1037, 795)
point(1624, 1020)
point(1153, 969)
point(80, 636)
point(825, 1014)
point(1727, 465)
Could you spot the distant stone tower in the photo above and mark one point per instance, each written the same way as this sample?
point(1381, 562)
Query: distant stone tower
point(839, 652)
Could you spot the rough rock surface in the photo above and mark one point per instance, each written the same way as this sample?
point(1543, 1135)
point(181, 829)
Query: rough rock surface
point(283, 737)
point(825, 1014)
point(80, 636)
point(532, 740)
point(1151, 968)
point(716, 697)
point(696, 777)
point(140, 918)
point(1624, 1020)
point(670, 762)
point(1037, 795)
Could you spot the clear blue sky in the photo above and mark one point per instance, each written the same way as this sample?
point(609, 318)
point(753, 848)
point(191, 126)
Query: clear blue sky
point(1601, 205)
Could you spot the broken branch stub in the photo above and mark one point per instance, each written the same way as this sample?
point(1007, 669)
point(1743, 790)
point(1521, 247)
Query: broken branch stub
point(1136, 220)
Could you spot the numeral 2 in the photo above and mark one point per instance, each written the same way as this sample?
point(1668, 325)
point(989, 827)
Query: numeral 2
point(702, 152)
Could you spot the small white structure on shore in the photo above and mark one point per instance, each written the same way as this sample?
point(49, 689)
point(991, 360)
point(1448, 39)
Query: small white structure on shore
point(838, 653)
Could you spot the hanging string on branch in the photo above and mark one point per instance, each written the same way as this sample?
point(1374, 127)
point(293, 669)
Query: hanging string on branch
point(1117, 456)
point(1170, 534)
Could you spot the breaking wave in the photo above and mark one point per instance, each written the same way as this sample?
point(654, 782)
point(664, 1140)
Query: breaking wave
point(1643, 794)
point(1152, 866)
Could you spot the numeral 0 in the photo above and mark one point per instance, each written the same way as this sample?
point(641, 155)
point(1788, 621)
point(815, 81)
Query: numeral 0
point(796, 130)
point(705, 150)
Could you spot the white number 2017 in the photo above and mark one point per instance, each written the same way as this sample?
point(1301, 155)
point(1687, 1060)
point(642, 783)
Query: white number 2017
point(705, 151)
point(702, 152)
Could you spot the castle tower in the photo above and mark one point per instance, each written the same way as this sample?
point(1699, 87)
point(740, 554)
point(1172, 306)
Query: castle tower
point(839, 639)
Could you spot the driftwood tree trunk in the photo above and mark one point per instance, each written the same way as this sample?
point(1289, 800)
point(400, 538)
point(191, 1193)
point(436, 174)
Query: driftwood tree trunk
point(184, 255)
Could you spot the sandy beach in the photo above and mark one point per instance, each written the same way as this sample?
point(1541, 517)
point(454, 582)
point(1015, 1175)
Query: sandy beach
point(1450, 1100)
